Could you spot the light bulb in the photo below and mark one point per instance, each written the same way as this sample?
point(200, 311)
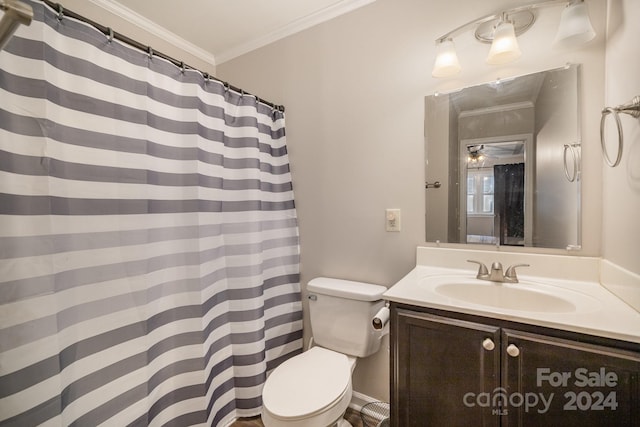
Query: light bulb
point(446, 63)
point(505, 46)
point(575, 26)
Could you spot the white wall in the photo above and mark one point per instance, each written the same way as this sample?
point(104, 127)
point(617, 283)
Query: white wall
point(621, 195)
point(354, 91)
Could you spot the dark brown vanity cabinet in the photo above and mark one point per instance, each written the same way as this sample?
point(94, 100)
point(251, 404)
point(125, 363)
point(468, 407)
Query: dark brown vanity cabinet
point(435, 361)
point(450, 369)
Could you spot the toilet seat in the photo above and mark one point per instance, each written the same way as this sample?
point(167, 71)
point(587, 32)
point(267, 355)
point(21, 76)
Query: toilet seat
point(308, 385)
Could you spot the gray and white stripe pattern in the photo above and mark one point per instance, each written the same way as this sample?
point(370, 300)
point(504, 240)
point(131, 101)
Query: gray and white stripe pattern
point(149, 257)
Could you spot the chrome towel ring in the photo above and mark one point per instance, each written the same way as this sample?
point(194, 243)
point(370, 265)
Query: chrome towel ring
point(571, 173)
point(633, 109)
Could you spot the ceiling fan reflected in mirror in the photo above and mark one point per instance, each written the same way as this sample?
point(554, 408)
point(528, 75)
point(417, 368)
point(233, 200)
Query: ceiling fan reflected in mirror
point(475, 154)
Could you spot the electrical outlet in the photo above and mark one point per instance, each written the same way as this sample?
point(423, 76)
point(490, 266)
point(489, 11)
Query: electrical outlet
point(392, 219)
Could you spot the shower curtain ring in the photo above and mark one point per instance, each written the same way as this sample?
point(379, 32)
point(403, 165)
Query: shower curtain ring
point(150, 52)
point(60, 12)
point(110, 35)
point(182, 67)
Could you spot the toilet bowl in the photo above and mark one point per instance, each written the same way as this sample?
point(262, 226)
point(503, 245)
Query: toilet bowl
point(313, 389)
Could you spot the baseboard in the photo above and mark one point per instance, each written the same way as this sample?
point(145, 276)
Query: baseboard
point(359, 400)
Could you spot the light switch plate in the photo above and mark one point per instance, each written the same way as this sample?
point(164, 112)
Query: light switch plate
point(392, 219)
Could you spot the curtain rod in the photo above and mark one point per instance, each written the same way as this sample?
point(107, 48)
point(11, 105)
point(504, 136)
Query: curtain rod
point(108, 31)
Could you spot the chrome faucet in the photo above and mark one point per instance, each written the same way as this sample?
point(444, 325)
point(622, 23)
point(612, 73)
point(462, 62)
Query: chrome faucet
point(496, 274)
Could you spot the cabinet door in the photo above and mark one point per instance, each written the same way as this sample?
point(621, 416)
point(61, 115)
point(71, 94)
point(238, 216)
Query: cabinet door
point(441, 367)
point(556, 382)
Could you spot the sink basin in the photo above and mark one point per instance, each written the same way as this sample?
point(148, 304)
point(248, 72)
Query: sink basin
point(524, 296)
point(499, 295)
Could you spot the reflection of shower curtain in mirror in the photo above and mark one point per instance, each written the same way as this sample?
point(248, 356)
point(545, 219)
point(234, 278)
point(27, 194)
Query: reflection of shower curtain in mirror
point(509, 203)
point(149, 259)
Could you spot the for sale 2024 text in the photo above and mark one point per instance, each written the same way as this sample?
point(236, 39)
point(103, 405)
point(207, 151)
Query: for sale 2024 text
point(582, 378)
point(580, 397)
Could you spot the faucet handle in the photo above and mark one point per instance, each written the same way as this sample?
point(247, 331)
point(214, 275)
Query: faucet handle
point(483, 273)
point(511, 275)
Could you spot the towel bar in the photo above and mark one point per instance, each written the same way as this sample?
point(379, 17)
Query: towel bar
point(633, 109)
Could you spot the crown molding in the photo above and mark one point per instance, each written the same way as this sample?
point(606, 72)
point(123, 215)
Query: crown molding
point(496, 109)
point(140, 21)
point(301, 24)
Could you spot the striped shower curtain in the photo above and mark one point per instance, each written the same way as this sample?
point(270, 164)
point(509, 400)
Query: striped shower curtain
point(149, 258)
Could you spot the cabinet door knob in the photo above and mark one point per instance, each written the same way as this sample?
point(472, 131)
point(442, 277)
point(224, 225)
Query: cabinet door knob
point(488, 344)
point(513, 351)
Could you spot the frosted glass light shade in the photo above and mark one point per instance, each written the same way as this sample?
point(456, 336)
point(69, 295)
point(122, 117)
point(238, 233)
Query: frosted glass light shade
point(505, 46)
point(446, 63)
point(575, 26)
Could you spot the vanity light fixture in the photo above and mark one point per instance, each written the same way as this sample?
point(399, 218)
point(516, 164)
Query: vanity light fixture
point(501, 30)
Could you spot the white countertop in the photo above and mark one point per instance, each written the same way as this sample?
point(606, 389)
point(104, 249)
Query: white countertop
point(609, 317)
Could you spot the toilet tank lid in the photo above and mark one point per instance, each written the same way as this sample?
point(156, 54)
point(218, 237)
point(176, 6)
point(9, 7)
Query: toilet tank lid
point(346, 289)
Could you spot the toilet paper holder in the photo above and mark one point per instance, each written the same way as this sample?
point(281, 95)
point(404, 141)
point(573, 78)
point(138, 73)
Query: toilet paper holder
point(381, 318)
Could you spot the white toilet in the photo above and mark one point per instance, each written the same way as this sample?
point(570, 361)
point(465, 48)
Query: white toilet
point(313, 389)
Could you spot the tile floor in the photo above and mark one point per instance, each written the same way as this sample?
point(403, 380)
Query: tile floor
point(352, 416)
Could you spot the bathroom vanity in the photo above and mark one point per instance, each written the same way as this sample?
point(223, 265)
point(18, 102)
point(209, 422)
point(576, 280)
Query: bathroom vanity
point(545, 351)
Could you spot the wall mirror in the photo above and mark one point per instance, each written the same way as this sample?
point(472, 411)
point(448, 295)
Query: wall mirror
point(503, 162)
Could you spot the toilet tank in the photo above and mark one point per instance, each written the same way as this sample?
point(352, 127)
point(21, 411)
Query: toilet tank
point(341, 312)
